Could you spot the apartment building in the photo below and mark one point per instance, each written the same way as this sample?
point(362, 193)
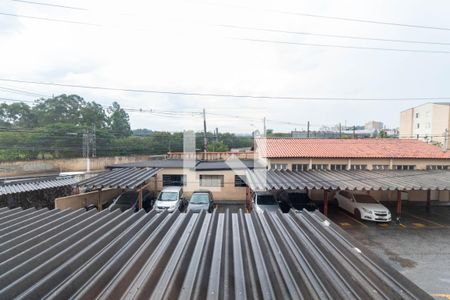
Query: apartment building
point(373, 125)
point(428, 122)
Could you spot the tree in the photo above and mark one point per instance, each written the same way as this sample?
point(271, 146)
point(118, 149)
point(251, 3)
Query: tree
point(119, 121)
point(218, 147)
point(59, 109)
point(93, 114)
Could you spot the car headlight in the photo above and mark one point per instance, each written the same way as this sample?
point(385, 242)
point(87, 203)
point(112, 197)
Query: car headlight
point(367, 210)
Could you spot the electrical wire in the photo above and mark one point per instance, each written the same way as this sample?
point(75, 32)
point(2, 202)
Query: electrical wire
point(337, 18)
point(50, 4)
point(218, 95)
point(332, 35)
point(342, 46)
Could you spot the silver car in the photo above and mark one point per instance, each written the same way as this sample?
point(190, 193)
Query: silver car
point(170, 199)
point(201, 200)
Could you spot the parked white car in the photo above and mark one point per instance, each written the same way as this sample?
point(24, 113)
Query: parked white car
point(363, 206)
point(170, 199)
point(265, 201)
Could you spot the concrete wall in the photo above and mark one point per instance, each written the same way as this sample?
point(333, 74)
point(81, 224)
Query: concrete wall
point(82, 200)
point(406, 123)
point(21, 168)
point(226, 193)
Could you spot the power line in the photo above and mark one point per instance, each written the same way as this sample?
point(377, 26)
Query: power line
point(338, 18)
point(281, 31)
point(331, 35)
point(276, 11)
point(50, 19)
point(238, 96)
point(343, 46)
point(50, 4)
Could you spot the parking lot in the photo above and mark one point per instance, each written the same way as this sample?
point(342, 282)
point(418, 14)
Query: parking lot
point(418, 246)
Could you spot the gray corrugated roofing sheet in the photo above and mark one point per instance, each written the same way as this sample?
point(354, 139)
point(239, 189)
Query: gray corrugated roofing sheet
point(112, 255)
point(199, 165)
point(155, 163)
point(349, 180)
point(121, 178)
point(30, 186)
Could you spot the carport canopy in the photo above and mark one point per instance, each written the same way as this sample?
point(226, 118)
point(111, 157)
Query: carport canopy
point(263, 180)
point(123, 178)
point(358, 180)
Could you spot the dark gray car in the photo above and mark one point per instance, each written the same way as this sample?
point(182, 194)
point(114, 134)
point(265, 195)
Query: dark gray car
point(129, 200)
point(201, 200)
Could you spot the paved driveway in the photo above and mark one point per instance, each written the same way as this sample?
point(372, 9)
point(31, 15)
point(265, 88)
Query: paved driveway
point(419, 246)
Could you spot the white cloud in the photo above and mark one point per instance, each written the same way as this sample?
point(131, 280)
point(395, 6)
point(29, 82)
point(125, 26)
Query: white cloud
point(174, 45)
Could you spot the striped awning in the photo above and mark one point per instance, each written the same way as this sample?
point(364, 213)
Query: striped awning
point(122, 178)
point(348, 180)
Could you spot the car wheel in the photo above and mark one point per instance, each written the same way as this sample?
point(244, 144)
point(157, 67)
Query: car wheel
point(357, 214)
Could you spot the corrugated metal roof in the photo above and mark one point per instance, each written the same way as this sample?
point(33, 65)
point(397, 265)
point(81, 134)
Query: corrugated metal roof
point(30, 186)
point(199, 165)
point(121, 178)
point(349, 180)
point(112, 255)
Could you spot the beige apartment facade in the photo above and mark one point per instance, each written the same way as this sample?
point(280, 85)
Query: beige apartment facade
point(225, 185)
point(428, 122)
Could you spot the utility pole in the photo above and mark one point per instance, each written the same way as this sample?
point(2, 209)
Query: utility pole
point(340, 131)
point(86, 149)
point(94, 143)
point(445, 140)
point(205, 138)
point(217, 135)
point(265, 129)
point(354, 134)
point(307, 130)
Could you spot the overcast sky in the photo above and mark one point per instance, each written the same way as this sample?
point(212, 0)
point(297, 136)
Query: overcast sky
point(180, 46)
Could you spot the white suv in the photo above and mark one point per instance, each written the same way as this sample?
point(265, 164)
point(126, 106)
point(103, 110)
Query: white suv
point(170, 199)
point(363, 206)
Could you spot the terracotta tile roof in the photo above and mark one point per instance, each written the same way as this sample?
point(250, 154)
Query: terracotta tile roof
point(348, 148)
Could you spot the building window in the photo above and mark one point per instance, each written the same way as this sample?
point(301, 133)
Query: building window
point(338, 167)
point(358, 167)
point(437, 167)
point(300, 167)
point(319, 166)
point(239, 181)
point(174, 180)
point(417, 115)
point(278, 166)
point(418, 125)
point(380, 167)
point(211, 180)
point(404, 167)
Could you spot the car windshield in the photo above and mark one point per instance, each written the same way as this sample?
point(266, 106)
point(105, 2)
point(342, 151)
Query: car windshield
point(168, 196)
point(127, 198)
point(266, 200)
point(200, 198)
point(364, 199)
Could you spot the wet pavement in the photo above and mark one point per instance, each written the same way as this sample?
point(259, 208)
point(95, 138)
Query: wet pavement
point(418, 246)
